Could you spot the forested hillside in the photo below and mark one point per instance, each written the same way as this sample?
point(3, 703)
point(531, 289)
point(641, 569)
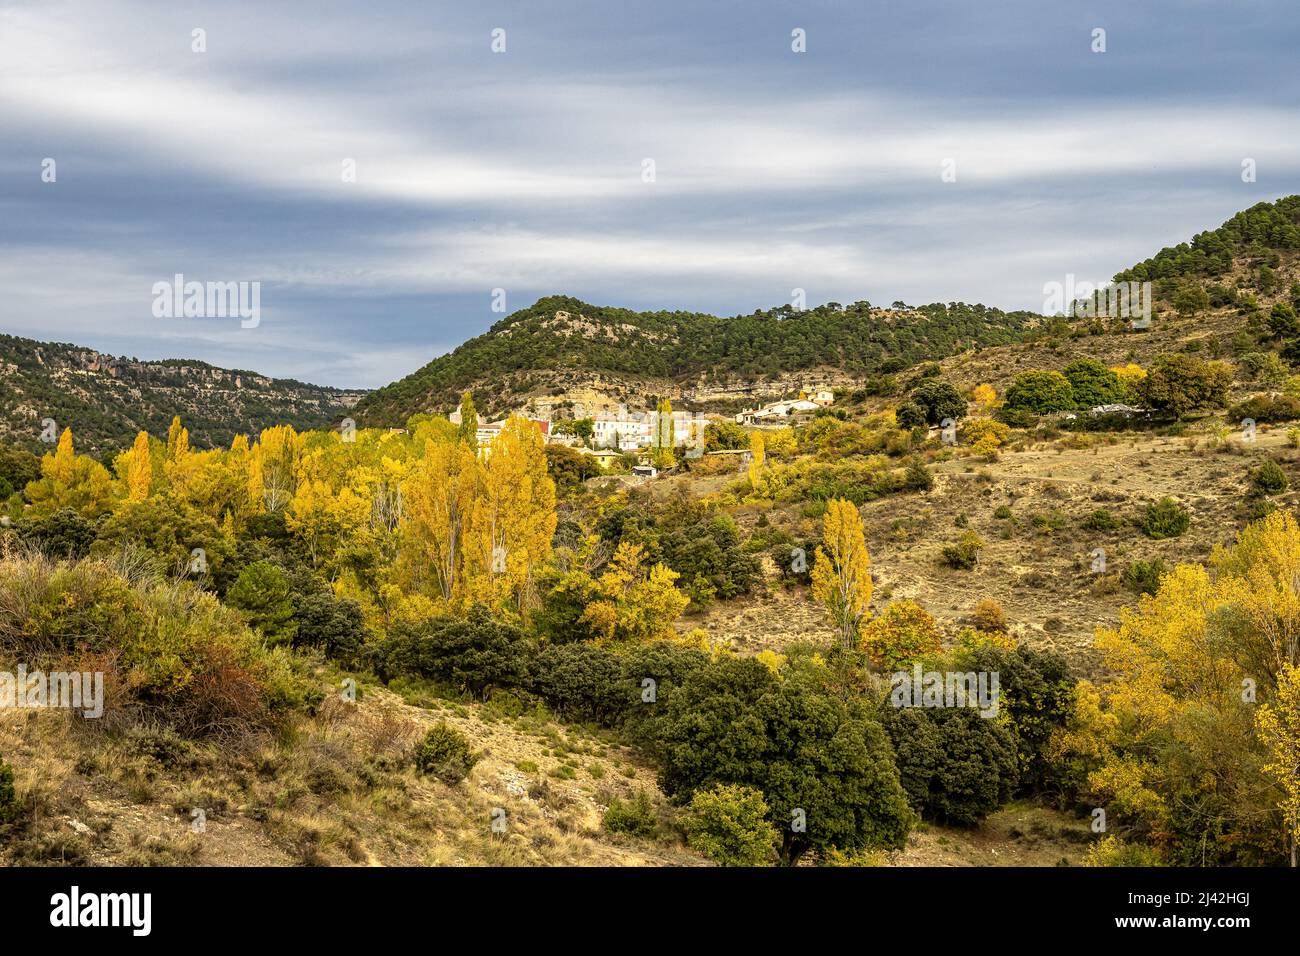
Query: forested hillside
point(558, 333)
point(108, 399)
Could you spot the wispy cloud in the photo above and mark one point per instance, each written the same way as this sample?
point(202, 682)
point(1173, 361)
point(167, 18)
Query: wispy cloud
point(524, 170)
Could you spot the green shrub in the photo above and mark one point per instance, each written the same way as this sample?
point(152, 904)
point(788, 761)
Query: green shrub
point(1269, 478)
point(955, 765)
point(9, 806)
point(262, 592)
point(635, 816)
point(444, 753)
point(1101, 520)
point(1266, 408)
point(1165, 518)
point(729, 824)
point(1036, 696)
point(1040, 392)
point(476, 653)
point(964, 553)
point(1002, 513)
point(804, 748)
point(1143, 577)
point(582, 682)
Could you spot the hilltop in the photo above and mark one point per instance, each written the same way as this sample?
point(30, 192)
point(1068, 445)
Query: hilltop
point(561, 347)
point(108, 399)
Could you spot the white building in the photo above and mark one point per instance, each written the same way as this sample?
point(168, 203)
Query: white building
point(778, 413)
point(635, 431)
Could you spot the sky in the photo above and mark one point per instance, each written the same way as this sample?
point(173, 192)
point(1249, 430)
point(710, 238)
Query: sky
point(381, 170)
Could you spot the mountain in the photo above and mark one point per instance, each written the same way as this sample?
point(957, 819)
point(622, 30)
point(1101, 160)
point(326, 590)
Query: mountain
point(560, 347)
point(561, 351)
point(107, 399)
point(1260, 236)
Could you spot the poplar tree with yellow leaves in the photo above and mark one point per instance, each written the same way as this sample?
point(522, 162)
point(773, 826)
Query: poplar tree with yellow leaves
point(629, 604)
point(139, 469)
point(276, 467)
point(665, 436)
point(1279, 727)
point(757, 454)
point(513, 519)
point(69, 480)
point(438, 498)
point(841, 577)
point(467, 430)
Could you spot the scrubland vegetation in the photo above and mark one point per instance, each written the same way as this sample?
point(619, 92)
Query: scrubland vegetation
point(396, 647)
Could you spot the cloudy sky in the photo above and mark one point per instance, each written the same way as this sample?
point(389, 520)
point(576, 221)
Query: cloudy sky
point(524, 170)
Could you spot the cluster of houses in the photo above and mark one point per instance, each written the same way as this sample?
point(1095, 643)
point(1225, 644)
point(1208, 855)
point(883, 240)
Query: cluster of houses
point(626, 432)
point(778, 414)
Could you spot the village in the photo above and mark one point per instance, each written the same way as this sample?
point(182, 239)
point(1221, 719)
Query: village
point(615, 436)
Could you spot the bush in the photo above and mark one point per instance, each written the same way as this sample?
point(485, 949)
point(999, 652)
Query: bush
point(475, 654)
point(668, 666)
point(444, 753)
point(938, 400)
point(1178, 384)
point(9, 806)
point(262, 592)
point(1035, 696)
point(1093, 383)
point(1165, 518)
point(63, 534)
point(1269, 478)
point(1143, 577)
point(1266, 408)
point(635, 817)
point(989, 616)
point(1101, 520)
point(955, 765)
point(1040, 392)
point(170, 652)
point(729, 824)
point(964, 554)
point(1111, 851)
point(805, 749)
point(582, 682)
point(904, 632)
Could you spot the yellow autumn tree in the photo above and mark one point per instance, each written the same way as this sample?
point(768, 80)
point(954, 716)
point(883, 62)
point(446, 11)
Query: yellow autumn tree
point(841, 577)
point(1279, 728)
point(276, 467)
point(664, 439)
point(984, 435)
point(631, 605)
point(69, 480)
point(1172, 744)
point(438, 498)
point(757, 454)
point(323, 518)
point(1130, 376)
point(984, 394)
point(139, 469)
point(513, 519)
